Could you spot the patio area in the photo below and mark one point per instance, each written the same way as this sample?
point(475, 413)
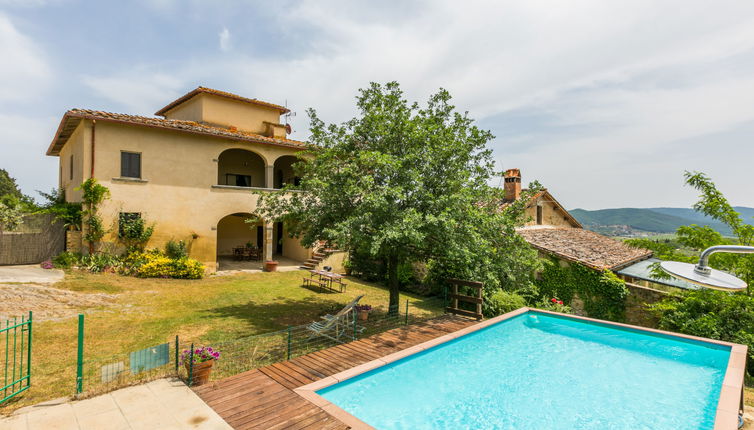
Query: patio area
point(265, 397)
point(229, 265)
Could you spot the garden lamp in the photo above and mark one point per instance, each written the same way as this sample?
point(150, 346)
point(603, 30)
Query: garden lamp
point(705, 276)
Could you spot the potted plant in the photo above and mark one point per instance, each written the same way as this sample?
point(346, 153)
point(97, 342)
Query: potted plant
point(363, 311)
point(203, 359)
point(270, 266)
point(347, 267)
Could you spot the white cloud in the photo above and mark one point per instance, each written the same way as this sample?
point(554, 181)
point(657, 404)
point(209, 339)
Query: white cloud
point(622, 84)
point(224, 40)
point(137, 91)
point(24, 72)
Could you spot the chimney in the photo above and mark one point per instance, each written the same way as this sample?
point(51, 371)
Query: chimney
point(512, 186)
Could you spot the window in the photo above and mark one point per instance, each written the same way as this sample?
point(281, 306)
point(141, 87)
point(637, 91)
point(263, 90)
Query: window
point(237, 180)
point(539, 215)
point(70, 168)
point(130, 164)
point(124, 218)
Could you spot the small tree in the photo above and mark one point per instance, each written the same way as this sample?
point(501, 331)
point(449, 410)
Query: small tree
point(714, 204)
point(134, 232)
point(402, 183)
point(67, 212)
point(11, 217)
point(92, 195)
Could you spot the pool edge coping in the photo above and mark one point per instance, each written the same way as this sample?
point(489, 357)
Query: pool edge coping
point(726, 414)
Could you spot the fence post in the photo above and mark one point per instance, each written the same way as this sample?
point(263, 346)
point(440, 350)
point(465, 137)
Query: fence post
point(80, 357)
point(289, 342)
point(191, 366)
point(406, 311)
point(176, 354)
point(28, 355)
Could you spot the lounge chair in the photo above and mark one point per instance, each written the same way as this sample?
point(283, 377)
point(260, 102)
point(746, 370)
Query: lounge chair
point(335, 326)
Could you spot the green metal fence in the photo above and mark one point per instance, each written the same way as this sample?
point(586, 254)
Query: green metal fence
point(15, 345)
point(97, 374)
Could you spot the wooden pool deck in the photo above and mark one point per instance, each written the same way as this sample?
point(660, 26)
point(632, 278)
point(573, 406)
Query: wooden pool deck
point(264, 399)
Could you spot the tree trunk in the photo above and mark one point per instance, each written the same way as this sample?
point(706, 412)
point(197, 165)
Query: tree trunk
point(392, 281)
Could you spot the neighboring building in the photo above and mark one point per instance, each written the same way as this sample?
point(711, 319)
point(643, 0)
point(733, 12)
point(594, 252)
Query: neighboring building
point(553, 231)
point(196, 173)
point(542, 209)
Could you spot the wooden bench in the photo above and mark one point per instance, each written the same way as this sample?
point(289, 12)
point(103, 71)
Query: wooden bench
point(310, 282)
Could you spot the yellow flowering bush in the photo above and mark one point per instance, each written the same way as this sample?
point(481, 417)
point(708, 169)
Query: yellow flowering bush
point(158, 265)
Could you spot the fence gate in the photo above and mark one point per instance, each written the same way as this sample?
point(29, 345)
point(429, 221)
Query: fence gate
point(15, 357)
point(455, 298)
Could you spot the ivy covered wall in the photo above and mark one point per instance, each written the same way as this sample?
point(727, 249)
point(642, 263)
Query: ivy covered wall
point(602, 292)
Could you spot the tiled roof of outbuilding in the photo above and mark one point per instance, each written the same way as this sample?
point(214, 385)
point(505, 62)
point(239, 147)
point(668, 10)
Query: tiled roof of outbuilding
point(583, 246)
point(72, 118)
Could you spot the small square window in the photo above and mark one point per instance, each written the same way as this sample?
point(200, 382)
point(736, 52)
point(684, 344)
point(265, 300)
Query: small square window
point(130, 165)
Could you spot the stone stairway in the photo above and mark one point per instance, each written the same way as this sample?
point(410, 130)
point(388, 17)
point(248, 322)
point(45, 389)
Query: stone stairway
point(317, 257)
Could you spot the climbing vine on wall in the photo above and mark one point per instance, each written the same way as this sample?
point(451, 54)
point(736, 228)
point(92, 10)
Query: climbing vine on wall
point(603, 293)
point(92, 194)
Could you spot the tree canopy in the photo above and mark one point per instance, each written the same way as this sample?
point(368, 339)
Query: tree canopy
point(402, 183)
point(713, 203)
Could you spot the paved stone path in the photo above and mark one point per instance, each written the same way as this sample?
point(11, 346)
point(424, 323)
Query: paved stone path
point(161, 404)
point(30, 273)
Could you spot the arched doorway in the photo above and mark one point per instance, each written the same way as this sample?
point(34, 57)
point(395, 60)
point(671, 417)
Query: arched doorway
point(283, 171)
point(240, 242)
point(241, 168)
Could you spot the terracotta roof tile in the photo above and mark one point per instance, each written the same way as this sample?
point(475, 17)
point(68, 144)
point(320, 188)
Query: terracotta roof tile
point(225, 94)
point(71, 118)
point(583, 246)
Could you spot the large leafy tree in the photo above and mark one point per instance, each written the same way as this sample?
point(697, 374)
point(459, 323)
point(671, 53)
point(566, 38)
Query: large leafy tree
point(713, 203)
point(401, 183)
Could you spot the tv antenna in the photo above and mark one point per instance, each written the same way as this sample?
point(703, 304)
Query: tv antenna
point(288, 115)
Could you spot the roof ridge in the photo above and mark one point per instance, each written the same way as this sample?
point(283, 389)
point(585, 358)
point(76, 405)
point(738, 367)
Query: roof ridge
point(200, 89)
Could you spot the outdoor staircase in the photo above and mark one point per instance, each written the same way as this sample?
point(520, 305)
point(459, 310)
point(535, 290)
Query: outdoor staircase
point(317, 257)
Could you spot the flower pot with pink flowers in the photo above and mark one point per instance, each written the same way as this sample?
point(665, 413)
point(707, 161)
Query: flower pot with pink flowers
point(199, 364)
point(363, 311)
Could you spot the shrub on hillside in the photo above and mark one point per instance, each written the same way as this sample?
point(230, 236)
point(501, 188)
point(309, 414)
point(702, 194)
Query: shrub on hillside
point(712, 314)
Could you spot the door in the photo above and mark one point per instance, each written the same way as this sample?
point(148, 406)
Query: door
point(279, 238)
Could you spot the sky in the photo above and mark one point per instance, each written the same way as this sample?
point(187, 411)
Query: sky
point(605, 102)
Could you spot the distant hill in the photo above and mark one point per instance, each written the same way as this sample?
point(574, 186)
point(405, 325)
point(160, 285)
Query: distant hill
point(625, 221)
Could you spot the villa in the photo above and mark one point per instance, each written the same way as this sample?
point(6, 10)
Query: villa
point(196, 172)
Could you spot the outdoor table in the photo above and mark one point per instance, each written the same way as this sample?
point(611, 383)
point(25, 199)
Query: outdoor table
point(328, 279)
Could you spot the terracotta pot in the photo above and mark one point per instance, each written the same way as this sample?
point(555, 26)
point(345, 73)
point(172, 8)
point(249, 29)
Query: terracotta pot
point(363, 315)
point(200, 373)
point(270, 266)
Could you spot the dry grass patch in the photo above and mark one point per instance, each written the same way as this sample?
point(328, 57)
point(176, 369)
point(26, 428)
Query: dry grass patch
point(147, 312)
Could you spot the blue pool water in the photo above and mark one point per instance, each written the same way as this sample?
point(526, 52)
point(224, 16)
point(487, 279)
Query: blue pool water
point(537, 371)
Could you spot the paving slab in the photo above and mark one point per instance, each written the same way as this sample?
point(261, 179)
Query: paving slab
point(161, 404)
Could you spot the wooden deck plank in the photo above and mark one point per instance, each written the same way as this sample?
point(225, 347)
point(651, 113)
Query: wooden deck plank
point(264, 399)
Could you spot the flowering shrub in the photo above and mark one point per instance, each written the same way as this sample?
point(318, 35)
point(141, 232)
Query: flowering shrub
point(155, 264)
point(554, 305)
point(46, 264)
point(205, 353)
point(364, 308)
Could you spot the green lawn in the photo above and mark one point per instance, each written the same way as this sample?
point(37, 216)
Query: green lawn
point(210, 311)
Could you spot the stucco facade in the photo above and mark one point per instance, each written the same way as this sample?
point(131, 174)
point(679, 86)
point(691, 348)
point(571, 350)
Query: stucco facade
point(183, 189)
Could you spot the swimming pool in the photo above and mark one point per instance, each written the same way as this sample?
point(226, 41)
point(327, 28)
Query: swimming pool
point(538, 370)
